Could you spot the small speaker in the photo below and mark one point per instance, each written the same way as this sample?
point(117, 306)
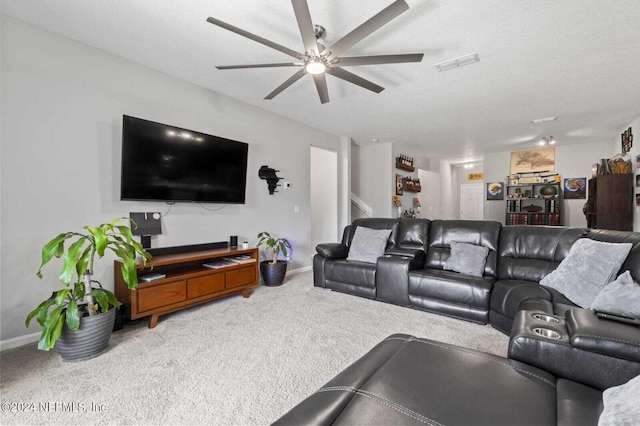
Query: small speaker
point(233, 241)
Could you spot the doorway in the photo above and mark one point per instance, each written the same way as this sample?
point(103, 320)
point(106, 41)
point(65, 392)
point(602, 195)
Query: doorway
point(472, 201)
point(324, 196)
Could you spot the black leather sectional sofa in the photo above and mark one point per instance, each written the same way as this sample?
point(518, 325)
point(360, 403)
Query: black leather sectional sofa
point(561, 357)
point(411, 271)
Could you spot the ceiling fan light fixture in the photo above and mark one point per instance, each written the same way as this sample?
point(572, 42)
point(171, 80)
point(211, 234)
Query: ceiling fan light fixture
point(547, 141)
point(458, 62)
point(315, 66)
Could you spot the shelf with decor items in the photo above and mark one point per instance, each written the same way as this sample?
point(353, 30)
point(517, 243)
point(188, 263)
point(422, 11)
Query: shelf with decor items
point(411, 184)
point(534, 204)
point(404, 162)
point(187, 279)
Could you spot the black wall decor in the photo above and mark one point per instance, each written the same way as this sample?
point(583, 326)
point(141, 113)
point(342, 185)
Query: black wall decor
point(270, 176)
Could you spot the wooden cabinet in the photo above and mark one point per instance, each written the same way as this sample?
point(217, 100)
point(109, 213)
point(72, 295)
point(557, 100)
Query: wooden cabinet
point(610, 203)
point(526, 204)
point(187, 281)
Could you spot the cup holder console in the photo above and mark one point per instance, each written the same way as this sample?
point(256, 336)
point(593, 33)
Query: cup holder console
point(546, 318)
point(549, 334)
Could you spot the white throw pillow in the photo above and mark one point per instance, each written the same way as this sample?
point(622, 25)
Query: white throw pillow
point(467, 259)
point(621, 407)
point(367, 244)
point(589, 266)
point(621, 297)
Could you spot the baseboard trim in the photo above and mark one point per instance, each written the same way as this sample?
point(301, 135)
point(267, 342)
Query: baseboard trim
point(19, 341)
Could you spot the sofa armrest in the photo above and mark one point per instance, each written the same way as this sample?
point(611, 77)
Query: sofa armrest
point(546, 342)
point(406, 252)
point(591, 333)
point(392, 277)
point(333, 250)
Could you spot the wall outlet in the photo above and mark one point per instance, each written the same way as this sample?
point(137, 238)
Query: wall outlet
point(296, 209)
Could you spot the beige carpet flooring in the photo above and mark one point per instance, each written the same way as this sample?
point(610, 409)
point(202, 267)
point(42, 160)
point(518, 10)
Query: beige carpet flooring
point(232, 361)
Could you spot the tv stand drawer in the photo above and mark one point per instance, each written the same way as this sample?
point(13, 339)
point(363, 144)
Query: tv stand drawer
point(202, 286)
point(161, 295)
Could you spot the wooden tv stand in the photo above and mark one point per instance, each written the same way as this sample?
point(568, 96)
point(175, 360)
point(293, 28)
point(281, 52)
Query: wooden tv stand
point(187, 282)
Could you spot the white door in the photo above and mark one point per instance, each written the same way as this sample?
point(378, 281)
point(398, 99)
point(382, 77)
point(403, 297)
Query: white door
point(472, 201)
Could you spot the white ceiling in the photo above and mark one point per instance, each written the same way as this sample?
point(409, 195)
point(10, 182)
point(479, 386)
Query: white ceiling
point(577, 59)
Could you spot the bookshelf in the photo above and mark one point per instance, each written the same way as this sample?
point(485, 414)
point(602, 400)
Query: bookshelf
point(534, 204)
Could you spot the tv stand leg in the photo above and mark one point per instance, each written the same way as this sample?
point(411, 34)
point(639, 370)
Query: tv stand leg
point(154, 320)
point(247, 292)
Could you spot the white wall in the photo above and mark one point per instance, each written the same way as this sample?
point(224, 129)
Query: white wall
point(372, 177)
point(324, 196)
point(571, 161)
point(62, 107)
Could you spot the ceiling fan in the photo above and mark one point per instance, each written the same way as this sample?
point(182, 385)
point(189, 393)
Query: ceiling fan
point(318, 60)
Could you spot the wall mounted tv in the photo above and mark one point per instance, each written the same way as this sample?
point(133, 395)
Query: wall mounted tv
point(167, 163)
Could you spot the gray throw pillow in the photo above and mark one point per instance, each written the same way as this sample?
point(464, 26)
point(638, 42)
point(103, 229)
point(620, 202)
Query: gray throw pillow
point(621, 406)
point(467, 259)
point(589, 266)
point(621, 297)
point(368, 244)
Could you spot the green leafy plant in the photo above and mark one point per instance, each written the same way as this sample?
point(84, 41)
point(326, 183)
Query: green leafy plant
point(276, 245)
point(81, 297)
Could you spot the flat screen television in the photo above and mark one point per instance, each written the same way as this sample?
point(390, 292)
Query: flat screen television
point(168, 163)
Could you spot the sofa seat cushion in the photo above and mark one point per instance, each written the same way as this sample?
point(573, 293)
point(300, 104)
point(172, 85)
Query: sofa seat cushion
point(360, 274)
point(451, 287)
point(509, 296)
point(406, 380)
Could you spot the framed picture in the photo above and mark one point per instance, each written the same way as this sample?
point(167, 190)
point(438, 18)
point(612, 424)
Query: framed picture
point(638, 200)
point(575, 188)
point(495, 191)
point(637, 180)
point(638, 162)
point(399, 185)
point(533, 160)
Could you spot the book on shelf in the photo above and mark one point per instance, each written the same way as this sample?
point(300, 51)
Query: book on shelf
point(215, 264)
point(240, 259)
point(152, 277)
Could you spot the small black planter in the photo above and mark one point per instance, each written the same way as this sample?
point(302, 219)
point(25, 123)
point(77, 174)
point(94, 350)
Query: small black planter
point(273, 275)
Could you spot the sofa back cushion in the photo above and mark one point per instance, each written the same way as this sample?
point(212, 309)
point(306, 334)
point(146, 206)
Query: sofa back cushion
point(413, 234)
point(479, 232)
point(632, 264)
point(532, 252)
point(373, 223)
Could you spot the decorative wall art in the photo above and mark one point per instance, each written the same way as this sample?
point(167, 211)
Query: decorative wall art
point(627, 140)
point(638, 161)
point(638, 200)
point(533, 160)
point(399, 190)
point(637, 180)
point(475, 176)
point(575, 188)
point(495, 191)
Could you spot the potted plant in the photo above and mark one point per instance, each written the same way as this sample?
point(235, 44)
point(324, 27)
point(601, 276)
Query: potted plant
point(79, 318)
point(273, 270)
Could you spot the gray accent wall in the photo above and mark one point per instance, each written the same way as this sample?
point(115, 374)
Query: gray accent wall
point(62, 107)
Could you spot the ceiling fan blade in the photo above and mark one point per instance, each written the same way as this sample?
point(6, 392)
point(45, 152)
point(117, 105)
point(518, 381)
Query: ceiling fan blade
point(297, 76)
point(303, 16)
point(352, 78)
point(281, 64)
point(254, 37)
point(321, 85)
point(378, 59)
point(383, 17)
